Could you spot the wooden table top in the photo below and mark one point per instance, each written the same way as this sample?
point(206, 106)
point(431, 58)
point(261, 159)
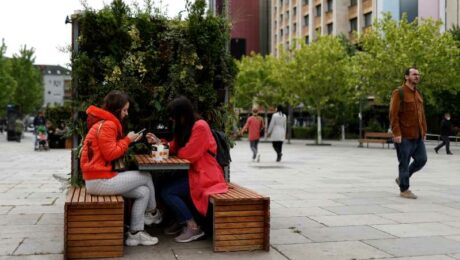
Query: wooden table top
point(147, 163)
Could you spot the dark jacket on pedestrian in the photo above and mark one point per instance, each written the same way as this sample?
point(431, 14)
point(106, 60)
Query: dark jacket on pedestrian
point(408, 121)
point(446, 127)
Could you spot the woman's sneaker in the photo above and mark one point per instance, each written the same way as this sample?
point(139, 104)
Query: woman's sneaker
point(141, 238)
point(150, 218)
point(173, 229)
point(189, 234)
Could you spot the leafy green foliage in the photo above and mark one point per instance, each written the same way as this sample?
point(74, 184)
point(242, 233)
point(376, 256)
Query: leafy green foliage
point(7, 82)
point(390, 47)
point(154, 59)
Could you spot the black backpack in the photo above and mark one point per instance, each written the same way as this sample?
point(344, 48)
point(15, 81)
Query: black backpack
point(223, 148)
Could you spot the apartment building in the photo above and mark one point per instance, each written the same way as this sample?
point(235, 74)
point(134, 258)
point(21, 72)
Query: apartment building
point(307, 19)
point(57, 84)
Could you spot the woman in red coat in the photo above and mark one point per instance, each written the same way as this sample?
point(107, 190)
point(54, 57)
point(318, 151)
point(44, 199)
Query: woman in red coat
point(193, 140)
point(103, 144)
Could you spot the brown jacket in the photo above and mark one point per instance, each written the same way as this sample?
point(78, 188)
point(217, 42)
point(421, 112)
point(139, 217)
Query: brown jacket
point(410, 121)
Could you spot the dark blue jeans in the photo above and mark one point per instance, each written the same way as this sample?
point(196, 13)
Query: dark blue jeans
point(176, 195)
point(253, 145)
point(407, 149)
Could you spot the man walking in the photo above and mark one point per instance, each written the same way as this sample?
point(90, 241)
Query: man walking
point(408, 124)
point(446, 127)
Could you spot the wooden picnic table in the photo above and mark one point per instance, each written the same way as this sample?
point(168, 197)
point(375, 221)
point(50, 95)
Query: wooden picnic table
point(146, 162)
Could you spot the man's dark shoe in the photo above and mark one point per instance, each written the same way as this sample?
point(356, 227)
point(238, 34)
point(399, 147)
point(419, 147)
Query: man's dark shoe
point(436, 150)
point(449, 153)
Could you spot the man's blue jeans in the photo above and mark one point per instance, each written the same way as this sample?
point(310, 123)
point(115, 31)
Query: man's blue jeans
point(176, 195)
point(407, 149)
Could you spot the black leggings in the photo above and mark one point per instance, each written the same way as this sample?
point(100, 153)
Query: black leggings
point(278, 146)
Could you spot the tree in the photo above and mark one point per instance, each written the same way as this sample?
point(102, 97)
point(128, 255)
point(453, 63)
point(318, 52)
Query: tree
point(7, 83)
point(29, 89)
point(318, 73)
point(391, 46)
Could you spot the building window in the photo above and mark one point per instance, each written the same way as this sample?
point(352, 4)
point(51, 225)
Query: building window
point(318, 10)
point(276, 24)
point(353, 2)
point(294, 11)
point(306, 20)
point(330, 28)
point(287, 46)
point(287, 15)
point(354, 24)
point(305, 2)
point(307, 39)
point(294, 27)
point(368, 19)
point(330, 4)
point(281, 2)
point(281, 32)
point(287, 30)
point(281, 18)
point(276, 10)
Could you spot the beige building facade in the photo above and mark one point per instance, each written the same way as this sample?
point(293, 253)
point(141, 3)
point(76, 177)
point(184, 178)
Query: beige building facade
point(305, 20)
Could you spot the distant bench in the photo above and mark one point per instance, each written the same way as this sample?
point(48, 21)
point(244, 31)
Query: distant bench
point(376, 137)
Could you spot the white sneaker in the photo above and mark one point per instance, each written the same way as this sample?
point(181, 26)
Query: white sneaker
point(141, 238)
point(258, 157)
point(150, 219)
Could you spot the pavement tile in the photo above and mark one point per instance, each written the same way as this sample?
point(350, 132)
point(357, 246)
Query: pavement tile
point(290, 222)
point(431, 257)
point(34, 257)
point(51, 219)
point(193, 254)
point(5, 209)
point(348, 233)
point(287, 236)
point(307, 203)
point(8, 245)
point(418, 229)
point(331, 250)
point(416, 246)
point(453, 224)
point(299, 212)
point(416, 217)
point(19, 219)
point(351, 220)
point(360, 209)
point(39, 246)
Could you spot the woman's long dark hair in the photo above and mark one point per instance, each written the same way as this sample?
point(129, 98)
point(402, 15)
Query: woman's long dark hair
point(114, 102)
point(182, 112)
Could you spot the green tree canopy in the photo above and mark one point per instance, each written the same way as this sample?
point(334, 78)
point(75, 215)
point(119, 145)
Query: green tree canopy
point(7, 82)
point(391, 46)
point(28, 94)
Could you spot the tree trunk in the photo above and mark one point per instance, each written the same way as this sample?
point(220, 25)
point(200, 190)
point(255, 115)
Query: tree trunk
point(319, 139)
point(265, 123)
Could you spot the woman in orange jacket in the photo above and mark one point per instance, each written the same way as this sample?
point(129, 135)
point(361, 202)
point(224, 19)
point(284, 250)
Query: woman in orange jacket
point(105, 143)
point(193, 140)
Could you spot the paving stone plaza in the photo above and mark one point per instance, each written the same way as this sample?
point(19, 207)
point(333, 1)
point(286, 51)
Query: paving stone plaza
point(327, 202)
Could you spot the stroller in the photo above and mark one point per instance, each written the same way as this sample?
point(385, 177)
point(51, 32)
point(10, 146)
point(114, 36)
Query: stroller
point(41, 139)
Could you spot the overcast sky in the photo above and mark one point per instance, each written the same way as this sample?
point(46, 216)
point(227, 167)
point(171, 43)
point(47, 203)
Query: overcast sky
point(41, 24)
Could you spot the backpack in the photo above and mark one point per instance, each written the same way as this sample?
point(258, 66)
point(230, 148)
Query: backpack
point(222, 156)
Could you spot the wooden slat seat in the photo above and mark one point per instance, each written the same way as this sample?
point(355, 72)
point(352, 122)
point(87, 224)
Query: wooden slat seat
point(93, 225)
point(241, 220)
point(376, 137)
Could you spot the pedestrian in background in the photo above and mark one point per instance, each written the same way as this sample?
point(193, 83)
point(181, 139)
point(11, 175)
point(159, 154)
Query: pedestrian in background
point(408, 124)
point(277, 131)
point(254, 125)
point(446, 128)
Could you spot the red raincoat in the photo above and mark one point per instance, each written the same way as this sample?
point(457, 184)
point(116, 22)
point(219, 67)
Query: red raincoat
point(205, 175)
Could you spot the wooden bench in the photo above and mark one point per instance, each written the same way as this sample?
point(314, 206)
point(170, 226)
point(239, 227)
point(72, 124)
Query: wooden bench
point(376, 137)
point(241, 220)
point(93, 225)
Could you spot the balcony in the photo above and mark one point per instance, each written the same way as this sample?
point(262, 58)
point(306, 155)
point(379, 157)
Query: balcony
point(352, 11)
point(328, 17)
point(367, 6)
point(317, 21)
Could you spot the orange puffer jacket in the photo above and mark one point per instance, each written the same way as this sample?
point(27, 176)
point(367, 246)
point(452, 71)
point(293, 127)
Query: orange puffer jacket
point(100, 149)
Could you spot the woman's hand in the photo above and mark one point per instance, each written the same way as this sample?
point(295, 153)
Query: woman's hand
point(133, 136)
point(152, 139)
